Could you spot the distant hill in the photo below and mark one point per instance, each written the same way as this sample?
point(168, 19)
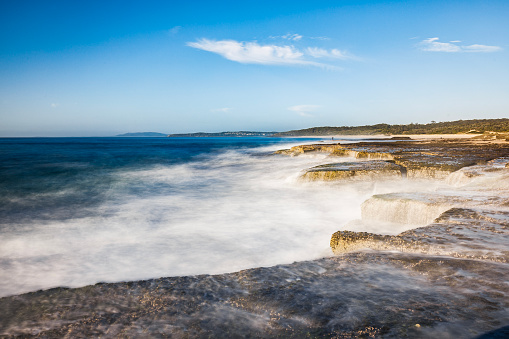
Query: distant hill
point(143, 134)
point(447, 127)
point(226, 134)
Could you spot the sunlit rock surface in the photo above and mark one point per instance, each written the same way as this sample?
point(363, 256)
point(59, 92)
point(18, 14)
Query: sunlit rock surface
point(365, 170)
point(430, 159)
point(301, 149)
point(458, 232)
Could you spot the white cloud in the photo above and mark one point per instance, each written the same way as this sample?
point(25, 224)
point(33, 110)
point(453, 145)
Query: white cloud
point(289, 36)
point(319, 38)
point(254, 53)
point(222, 110)
point(54, 105)
point(481, 48)
point(316, 52)
point(174, 30)
point(433, 45)
point(294, 37)
point(304, 110)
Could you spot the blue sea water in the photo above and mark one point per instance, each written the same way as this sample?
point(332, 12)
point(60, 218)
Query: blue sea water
point(56, 178)
point(77, 211)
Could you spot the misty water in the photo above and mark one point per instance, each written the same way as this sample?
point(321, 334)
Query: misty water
point(77, 211)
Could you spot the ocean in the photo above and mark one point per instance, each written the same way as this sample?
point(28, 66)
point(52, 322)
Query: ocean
point(78, 211)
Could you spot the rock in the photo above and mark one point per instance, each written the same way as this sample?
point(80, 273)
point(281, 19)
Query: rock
point(301, 149)
point(347, 241)
point(355, 295)
point(365, 170)
point(361, 155)
point(458, 232)
point(431, 159)
point(406, 208)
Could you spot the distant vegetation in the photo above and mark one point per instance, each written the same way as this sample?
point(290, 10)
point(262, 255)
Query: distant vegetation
point(447, 127)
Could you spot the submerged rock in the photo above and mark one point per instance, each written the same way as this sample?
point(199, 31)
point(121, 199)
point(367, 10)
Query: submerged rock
point(366, 170)
point(356, 295)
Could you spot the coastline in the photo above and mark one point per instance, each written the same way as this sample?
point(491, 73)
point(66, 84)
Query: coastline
point(442, 276)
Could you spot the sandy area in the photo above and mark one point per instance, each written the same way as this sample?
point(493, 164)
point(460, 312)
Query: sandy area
point(423, 137)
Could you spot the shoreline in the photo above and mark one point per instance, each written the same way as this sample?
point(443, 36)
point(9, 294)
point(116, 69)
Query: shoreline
point(432, 279)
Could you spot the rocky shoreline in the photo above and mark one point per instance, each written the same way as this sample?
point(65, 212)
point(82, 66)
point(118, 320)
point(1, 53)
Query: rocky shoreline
point(431, 159)
point(447, 278)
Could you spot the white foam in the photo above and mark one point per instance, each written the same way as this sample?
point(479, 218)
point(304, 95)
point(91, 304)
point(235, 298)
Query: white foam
point(229, 212)
point(225, 213)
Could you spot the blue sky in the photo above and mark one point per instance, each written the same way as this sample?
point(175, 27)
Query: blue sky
point(95, 68)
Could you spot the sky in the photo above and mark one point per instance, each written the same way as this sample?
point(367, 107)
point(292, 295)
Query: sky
point(100, 68)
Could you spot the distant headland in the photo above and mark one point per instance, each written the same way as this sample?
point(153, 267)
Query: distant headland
point(476, 126)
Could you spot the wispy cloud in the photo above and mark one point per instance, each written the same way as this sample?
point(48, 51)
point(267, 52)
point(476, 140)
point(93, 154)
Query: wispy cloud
point(251, 52)
point(174, 30)
point(481, 48)
point(316, 52)
point(323, 38)
point(304, 110)
point(54, 105)
point(294, 37)
point(222, 110)
point(433, 45)
point(289, 36)
point(254, 53)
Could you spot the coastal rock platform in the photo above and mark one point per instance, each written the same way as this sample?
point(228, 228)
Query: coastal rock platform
point(365, 170)
point(458, 232)
point(431, 159)
point(354, 295)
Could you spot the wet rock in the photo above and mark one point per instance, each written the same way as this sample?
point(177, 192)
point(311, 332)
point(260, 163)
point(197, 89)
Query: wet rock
point(355, 295)
point(458, 232)
point(426, 170)
point(431, 159)
point(366, 170)
point(406, 208)
point(347, 241)
point(362, 154)
point(301, 149)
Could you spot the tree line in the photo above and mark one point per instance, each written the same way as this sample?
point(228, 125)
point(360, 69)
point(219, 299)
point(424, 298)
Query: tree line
point(446, 127)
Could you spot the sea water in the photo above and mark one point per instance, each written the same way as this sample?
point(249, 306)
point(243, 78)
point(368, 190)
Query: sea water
point(77, 211)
